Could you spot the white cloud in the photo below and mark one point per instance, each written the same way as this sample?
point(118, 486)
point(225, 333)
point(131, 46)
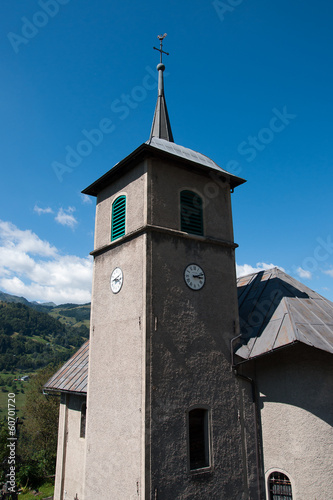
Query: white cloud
point(248, 269)
point(86, 200)
point(302, 273)
point(11, 237)
point(329, 272)
point(41, 211)
point(66, 217)
point(33, 268)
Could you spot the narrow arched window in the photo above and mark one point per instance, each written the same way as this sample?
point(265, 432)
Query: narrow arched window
point(191, 220)
point(279, 487)
point(118, 218)
point(198, 437)
point(83, 420)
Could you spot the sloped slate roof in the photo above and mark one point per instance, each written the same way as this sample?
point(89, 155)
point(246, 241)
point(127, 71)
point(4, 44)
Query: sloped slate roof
point(73, 376)
point(186, 154)
point(276, 310)
point(157, 147)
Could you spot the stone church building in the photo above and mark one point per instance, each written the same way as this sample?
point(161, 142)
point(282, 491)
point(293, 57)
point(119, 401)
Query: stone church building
point(192, 386)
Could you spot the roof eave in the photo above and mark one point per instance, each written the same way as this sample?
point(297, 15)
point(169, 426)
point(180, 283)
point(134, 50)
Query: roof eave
point(144, 151)
point(266, 353)
point(103, 181)
point(65, 391)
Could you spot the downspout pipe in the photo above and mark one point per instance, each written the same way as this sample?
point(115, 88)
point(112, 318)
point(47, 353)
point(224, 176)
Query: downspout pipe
point(255, 411)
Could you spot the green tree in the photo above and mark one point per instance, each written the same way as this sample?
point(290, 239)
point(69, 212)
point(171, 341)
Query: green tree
point(38, 435)
point(3, 445)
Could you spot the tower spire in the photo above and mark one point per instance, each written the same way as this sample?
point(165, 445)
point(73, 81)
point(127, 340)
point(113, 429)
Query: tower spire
point(161, 127)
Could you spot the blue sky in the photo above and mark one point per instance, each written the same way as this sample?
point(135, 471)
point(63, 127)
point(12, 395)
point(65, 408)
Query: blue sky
point(248, 83)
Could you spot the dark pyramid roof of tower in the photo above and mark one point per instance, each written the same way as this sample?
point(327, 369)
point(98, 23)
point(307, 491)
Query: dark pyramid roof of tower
point(161, 126)
point(275, 311)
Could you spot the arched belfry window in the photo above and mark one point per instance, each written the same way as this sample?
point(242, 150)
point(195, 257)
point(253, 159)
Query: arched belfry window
point(198, 438)
point(279, 487)
point(191, 219)
point(83, 420)
point(118, 217)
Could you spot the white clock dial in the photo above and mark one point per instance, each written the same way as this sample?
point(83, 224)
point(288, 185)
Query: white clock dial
point(117, 279)
point(194, 277)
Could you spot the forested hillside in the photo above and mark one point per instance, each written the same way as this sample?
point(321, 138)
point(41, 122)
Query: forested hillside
point(35, 340)
point(30, 339)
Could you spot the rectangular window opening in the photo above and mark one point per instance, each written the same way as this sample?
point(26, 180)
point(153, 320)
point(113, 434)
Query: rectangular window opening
point(83, 420)
point(198, 423)
point(191, 216)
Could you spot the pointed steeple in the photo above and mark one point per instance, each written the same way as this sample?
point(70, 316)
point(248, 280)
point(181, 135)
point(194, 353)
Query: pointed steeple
point(161, 127)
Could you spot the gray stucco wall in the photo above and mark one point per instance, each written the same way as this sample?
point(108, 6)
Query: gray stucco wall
point(71, 449)
point(165, 182)
point(190, 365)
point(132, 184)
point(296, 406)
point(116, 388)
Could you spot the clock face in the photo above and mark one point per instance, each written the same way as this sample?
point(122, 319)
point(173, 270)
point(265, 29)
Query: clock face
point(116, 281)
point(194, 277)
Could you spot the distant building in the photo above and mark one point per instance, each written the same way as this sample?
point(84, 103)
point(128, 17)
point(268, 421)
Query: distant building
point(185, 390)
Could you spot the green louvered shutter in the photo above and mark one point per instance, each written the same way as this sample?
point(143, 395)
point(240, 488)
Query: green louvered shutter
point(118, 218)
point(191, 213)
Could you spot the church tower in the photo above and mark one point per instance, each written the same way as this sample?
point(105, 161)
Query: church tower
point(162, 406)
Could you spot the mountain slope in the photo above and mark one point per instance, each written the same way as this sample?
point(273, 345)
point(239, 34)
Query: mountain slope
point(30, 339)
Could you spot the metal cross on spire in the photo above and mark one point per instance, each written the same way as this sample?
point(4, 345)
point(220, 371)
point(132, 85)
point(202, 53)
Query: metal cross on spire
point(161, 127)
point(161, 38)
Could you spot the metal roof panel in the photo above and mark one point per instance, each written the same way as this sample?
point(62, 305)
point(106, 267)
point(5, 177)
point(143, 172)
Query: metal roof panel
point(161, 148)
point(73, 375)
point(277, 310)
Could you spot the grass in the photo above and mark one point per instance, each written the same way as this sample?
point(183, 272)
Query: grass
point(69, 321)
point(37, 338)
point(7, 385)
point(19, 402)
point(44, 491)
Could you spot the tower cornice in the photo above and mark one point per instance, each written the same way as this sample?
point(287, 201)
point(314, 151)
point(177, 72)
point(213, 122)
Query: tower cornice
point(151, 228)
